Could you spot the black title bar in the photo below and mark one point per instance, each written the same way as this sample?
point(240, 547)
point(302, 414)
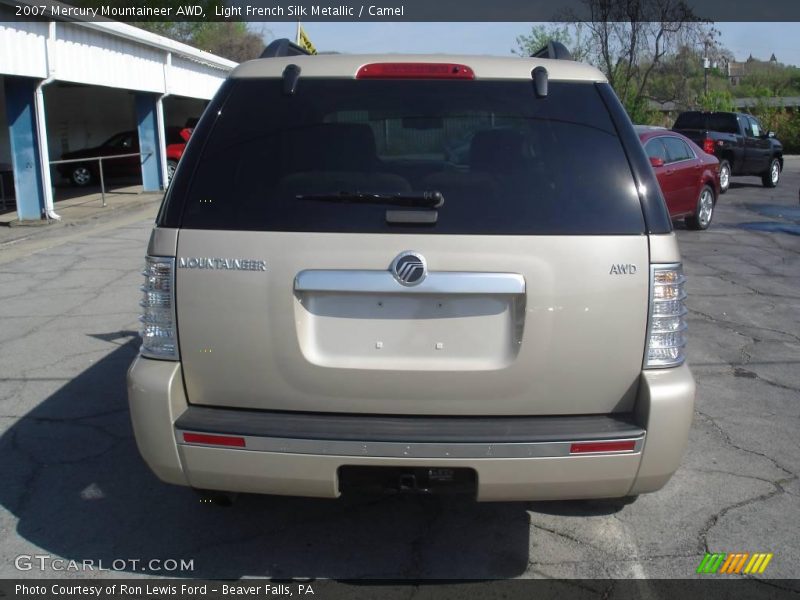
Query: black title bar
point(386, 10)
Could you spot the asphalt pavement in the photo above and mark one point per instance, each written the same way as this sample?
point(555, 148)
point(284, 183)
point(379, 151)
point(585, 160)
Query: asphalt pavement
point(73, 487)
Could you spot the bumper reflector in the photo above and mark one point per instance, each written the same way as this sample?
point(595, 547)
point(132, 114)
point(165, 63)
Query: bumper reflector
point(591, 447)
point(213, 440)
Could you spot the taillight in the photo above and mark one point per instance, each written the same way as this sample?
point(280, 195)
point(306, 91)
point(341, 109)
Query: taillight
point(666, 331)
point(159, 338)
point(415, 71)
point(708, 146)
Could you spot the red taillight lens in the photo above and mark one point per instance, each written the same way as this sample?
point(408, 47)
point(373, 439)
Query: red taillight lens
point(708, 146)
point(590, 447)
point(415, 71)
point(213, 440)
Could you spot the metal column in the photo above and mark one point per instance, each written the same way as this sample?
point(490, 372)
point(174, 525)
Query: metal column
point(25, 155)
point(149, 146)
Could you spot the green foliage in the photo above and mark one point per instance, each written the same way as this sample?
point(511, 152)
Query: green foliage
point(640, 112)
point(178, 31)
point(538, 38)
point(229, 39)
point(787, 129)
point(716, 100)
point(568, 34)
point(772, 79)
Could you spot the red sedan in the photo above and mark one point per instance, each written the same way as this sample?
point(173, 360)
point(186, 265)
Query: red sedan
point(689, 178)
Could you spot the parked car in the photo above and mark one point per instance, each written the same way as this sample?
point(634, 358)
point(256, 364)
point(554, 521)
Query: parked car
point(689, 178)
point(126, 142)
point(177, 138)
point(738, 140)
point(318, 317)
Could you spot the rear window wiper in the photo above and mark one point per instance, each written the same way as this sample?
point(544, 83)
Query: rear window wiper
point(425, 199)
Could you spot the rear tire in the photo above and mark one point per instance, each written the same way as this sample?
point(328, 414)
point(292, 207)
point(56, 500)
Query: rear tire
point(171, 166)
point(724, 176)
point(704, 210)
point(771, 178)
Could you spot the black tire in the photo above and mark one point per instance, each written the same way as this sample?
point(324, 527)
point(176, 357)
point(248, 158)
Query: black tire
point(771, 178)
point(703, 211)
point(171, 166)
point(724, 177)
point(81, 175)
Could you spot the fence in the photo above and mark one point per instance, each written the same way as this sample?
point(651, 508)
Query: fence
point(100, 160)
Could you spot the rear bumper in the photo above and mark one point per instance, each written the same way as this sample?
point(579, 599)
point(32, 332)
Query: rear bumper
point(514, 459)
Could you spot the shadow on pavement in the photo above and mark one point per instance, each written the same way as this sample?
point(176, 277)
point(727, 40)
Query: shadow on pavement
point(756, 183)
point(73, 478)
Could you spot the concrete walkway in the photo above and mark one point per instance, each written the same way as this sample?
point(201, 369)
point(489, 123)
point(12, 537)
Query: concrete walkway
point(80, 207)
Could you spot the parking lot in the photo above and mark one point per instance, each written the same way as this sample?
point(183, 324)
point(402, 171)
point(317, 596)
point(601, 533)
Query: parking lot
point(73, 486)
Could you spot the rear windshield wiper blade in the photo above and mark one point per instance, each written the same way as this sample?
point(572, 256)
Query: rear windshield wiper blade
point(425, 199)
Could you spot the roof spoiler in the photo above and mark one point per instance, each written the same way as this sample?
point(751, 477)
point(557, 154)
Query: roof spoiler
point(553, 49)
point(283, 47)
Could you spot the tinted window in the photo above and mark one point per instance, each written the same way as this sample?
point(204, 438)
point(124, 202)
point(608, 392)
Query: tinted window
point(723, 122)
point(655, 149)
point(505, 161)
point(676, 149)
point(691, 120)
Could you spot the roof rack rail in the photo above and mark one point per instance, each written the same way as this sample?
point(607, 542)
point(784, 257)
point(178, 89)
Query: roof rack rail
point(283, 47)
point(553, 49)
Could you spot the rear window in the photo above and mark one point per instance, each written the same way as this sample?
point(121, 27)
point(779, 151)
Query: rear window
point(690, 120)
point(721, 122)
point(505, 161)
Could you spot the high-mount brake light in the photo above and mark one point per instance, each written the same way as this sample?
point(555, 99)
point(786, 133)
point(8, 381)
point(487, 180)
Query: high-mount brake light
point(415, 71)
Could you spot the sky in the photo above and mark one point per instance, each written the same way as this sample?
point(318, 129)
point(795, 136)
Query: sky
point(760, 39)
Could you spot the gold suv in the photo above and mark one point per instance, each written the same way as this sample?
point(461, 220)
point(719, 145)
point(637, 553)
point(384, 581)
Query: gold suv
point(430, 273)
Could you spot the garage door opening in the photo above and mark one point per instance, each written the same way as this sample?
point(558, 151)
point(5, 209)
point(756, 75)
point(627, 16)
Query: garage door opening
point(85, 123)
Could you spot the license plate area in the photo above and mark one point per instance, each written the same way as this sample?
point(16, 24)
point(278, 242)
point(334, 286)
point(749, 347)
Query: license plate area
point(414, 480)
point(415, 332)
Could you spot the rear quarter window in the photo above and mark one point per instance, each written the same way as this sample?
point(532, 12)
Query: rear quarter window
point(724, 123)
point(505, 161)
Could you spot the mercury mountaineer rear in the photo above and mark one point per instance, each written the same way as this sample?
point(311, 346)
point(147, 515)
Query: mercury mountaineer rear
point(402, 271)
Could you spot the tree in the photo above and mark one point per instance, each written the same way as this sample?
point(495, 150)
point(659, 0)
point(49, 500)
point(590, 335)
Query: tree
point(632, 37)
point(229, 39)
point(629, 40)
point(569, 35)
point(681, 79)
point(716, 100)
point(773, 79)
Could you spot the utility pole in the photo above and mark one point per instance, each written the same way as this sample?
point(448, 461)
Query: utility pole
point(706, 66)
